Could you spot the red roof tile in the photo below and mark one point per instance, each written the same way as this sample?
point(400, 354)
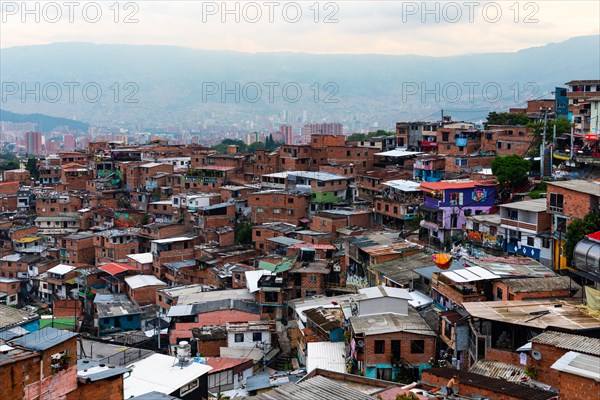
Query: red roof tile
point(224, 363)
point(443, 185)
point(117, 268)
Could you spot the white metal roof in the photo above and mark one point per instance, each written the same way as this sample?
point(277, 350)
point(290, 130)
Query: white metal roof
point(180, 310)
point(252, 278)
point(579, 364)
point(329, 356)
point(377, 292)
point(172, 240)
point(399, 152)
point(403, 185)
point(142, 258)
point(138, 281)
point(61, 269)
point(160, 373)
point(150, 165)
point(470, 274)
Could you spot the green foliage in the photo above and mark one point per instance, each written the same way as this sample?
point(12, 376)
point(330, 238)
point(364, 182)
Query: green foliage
point(8, 161)
point(32, 167)
point(539, 190)
point(562, 126)
point(407, 396)
point(510, 169)
point(577, 230)
point(243, 233)
point(531, 372)
point(362, 136)
point(495, 118)
point(269, 144)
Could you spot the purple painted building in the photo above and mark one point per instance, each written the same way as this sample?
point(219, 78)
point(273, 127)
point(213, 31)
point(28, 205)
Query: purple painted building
point(447, 203)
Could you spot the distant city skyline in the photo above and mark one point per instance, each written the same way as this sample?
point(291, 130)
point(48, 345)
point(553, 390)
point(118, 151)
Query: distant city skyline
point(349, 27)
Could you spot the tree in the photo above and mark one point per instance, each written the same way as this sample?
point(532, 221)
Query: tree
point(510, 169)
point(356, 137)
point(243, 233)
point(495, 118)
point(577, 230)
point(32, 167)
point(222, 147)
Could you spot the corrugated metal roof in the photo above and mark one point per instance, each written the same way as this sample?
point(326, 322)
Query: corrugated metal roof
point(470, 274)
point(329, 356)
point(579, 364)
point(500, 370)
point(569, 341)
point(286, 241)
point(499, 386)
point(315, 388)
point(44, 339)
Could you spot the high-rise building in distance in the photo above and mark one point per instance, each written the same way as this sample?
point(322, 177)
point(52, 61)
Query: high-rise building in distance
point(34, 143)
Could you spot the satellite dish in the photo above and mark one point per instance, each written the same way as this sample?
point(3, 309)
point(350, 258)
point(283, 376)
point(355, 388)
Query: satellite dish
point(536, 355)
point(360, 343)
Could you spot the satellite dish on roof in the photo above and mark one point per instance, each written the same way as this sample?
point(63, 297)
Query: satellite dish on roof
point(360, 343)
point(536, 355)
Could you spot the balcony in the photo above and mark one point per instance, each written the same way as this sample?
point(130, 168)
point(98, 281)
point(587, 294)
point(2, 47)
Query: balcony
point(519, 224)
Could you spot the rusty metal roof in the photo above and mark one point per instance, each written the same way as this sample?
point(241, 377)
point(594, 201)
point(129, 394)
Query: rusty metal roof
point(569, 341)
point(499, 370)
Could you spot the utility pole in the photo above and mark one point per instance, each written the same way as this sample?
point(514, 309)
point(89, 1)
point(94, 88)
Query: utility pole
point(572, 142)
point(543, 148)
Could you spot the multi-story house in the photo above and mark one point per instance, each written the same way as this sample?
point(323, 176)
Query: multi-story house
point(113, 245)
point(59, 280)
point(483, 231)
point(429, 168)
point(369, 184)
point(77, 249)
point(287, 206)
point(172, 249)
point(567, 201)
point(526, 227)
point(387, 336)
point(325, 189)
point(448, 203)
point(419, 136)
point(398, 203)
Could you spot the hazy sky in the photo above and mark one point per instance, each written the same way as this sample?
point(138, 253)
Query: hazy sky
point(384, 27)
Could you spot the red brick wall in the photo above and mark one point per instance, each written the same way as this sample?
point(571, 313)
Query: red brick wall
point(369, 356)
point(508, 357)
point(464, 388)
point(211, 348)
point(105, 389)
point(575, 204)
point(66, 308)
point(14, 377)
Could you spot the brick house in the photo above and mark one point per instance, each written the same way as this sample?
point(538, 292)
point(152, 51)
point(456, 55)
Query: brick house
point(472, 385)
point(567, 201)
point(142, 288)
point(77, 249)
point(534, 288)
point(398, 203)
point(270, 206)
point(382, 344)
point(114, 245)
point(568, 363)
point(37, 363)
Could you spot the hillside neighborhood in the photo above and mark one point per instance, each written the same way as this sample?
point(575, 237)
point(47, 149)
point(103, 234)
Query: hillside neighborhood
point(447, 259)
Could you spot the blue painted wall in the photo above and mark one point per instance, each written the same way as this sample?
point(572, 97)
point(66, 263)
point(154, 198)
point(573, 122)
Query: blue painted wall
point(110, 325)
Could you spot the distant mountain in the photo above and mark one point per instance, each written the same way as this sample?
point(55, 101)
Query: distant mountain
point(44, 123)
point(147, 85)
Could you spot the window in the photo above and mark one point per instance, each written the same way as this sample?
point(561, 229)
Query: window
point(530, 241)
point(546, 243)
point(384, 374)
point(417, 347)
point(476, 226)
point(312, 277)
point(258, 233)
point(508, 146)
point(499, 293)
point(276, 211)
point(461, 148)
point(290, 200)
point(561, 224)
point(185, 389)
point(129, 318)
point(239, 337)
point(499, 145)
point(256, 336)
point(445, 136)
point(556, 202)
point(379, 346)
point(462, 162)
point(275, 199)
point(513, 215)
point(396, 349)
point(453, 220)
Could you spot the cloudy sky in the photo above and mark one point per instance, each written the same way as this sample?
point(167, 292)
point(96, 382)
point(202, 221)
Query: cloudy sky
point(345, 26)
